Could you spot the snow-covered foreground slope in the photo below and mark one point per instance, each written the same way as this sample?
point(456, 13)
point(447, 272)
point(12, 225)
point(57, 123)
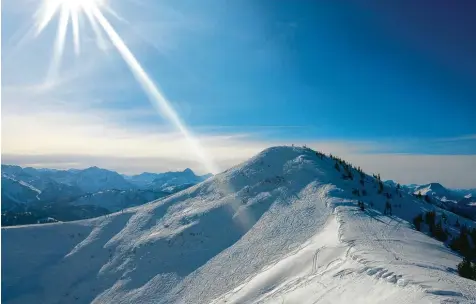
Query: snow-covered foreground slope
point(280, 228)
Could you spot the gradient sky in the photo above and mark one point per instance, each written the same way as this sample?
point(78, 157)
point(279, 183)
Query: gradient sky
point(390, 85)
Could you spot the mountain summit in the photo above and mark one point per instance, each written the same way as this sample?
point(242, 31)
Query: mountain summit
point(287, 226)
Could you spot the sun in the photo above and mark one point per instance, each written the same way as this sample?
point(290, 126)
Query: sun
point(68, 10)
point(77, 5)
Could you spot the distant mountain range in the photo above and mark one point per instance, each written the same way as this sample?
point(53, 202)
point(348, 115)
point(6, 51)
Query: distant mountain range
point(161, 181)
point(458, 201)
point(461, 202)
point(32, 194)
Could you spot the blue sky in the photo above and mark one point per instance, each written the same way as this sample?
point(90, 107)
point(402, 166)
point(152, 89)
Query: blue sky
point(387, 84)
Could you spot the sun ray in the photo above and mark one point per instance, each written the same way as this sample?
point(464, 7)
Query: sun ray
point(100, 41)
point(113, 13)
point(93, 10)
point(158, 100)
point(59, 43)
point(45, 14)
point(75, 25)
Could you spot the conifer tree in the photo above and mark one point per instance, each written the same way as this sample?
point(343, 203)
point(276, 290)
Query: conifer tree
point(461, 243)
point(430, 218)
point(417, 222)
point(439, 233)
point(466, 270)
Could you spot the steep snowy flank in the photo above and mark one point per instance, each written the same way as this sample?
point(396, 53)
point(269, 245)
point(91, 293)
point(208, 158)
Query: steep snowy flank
point(283, 227)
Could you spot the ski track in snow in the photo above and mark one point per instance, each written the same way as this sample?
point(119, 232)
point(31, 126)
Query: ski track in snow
point(282, 227)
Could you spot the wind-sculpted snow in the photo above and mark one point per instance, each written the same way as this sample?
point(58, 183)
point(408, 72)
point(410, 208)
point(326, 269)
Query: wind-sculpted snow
point(282, 227)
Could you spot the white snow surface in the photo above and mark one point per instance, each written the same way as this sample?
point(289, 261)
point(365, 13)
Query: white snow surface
point(282, 227)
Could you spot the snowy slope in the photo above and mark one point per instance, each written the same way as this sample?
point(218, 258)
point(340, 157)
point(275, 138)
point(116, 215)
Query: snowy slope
point(115, 200)
point(282, 227)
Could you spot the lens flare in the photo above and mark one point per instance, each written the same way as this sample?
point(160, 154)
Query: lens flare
point(70, 10)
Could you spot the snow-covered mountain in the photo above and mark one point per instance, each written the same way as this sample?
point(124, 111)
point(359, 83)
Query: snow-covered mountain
point(458, 201)
point(95, 179)
point(466, 192)
point(25, 175)
point(89, 180)
point(19, 191)
point(16, 194)
point(283, 227)
point(143, 180)
point(437, 190)
point(29, 194)
point(93, 185)
point(162, 181)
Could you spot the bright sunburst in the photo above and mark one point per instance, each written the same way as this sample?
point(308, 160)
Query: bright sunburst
point(68, 10)
point(72, 10)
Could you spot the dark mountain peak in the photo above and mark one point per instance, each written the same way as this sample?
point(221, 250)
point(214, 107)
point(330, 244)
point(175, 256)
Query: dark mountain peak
point(436, 186)
point(188, 171)
point(96, 169)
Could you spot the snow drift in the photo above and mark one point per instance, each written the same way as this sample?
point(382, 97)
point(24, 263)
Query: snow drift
point(282, 227)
